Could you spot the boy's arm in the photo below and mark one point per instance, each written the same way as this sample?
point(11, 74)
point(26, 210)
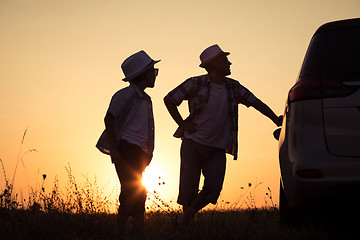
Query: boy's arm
point(110, 128)
point(264, 109)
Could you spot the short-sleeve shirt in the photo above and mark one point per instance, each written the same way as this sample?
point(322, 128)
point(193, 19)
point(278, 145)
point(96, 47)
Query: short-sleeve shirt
point(134, 120)
point(196, 91)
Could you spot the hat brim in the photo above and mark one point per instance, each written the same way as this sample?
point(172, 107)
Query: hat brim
point(141, 72)
point(203, 64)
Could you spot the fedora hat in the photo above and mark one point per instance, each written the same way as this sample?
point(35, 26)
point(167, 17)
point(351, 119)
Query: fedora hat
point(137, 64)
point(210, 54)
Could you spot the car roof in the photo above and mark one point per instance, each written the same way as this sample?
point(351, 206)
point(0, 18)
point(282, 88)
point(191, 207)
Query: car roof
point(331, 26)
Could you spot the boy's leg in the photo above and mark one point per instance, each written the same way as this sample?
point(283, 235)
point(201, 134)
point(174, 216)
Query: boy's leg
point(123, 214)
point(121, 225)
point(133, 194)
point(138, 208)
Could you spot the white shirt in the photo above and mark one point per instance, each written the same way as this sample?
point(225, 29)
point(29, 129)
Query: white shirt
point(214, 122)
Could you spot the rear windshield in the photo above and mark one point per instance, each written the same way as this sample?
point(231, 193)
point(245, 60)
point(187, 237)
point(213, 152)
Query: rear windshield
point(334, 54)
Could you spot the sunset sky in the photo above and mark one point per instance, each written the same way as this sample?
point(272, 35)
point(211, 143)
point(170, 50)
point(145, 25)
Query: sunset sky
point(60, 65)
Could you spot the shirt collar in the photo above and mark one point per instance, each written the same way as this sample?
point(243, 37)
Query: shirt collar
point(138, 92)
point(208, 81)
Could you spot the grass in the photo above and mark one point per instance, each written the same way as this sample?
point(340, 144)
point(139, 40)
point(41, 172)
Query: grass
point(83, 211)
point(209, 225)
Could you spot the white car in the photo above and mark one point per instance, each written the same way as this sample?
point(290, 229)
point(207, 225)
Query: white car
point(319, 141)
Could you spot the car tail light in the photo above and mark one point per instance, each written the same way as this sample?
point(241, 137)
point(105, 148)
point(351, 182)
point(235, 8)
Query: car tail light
point(309, 173)
point(316, 87)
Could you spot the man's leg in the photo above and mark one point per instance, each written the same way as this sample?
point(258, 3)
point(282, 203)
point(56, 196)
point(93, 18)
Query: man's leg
point(214, 172)
point(190, 171)
point(192, 162)
point(189, 212)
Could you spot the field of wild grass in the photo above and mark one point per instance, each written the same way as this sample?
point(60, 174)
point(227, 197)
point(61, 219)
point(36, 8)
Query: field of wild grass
point(209, 225)
point(83, 211)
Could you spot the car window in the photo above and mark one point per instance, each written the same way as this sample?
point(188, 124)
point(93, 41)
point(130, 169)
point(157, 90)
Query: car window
point(334, 54)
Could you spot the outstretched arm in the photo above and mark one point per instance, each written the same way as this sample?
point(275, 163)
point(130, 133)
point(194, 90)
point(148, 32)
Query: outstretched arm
point(264, 109)
point(185, 125)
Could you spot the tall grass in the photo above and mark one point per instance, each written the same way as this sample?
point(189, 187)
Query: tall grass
point(87, 197)
point(84, 211)
point(7, 198)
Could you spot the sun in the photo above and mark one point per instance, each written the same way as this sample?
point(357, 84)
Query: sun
point(152, 178)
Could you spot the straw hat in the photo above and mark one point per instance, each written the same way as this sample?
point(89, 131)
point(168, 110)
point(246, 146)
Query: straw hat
point(137, 64)
point(210, 54)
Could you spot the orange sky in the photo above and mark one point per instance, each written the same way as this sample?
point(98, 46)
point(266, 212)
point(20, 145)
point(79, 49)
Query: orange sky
point(60, 64)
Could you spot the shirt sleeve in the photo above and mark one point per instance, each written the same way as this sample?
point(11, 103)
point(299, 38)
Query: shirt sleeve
point(181, 92)
point(244, 96)
point(119, 102)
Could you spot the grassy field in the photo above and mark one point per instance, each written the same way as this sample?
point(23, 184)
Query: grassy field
point(209, 225)
point(83, 211)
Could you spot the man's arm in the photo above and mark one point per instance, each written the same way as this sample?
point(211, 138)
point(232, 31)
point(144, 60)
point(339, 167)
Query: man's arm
point(110, 128)
point(264, 109)
point(187, 126)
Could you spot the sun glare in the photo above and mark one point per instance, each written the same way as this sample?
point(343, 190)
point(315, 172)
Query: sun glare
point(152, 178)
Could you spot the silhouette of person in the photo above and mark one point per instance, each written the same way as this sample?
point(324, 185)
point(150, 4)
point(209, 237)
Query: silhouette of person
point(211, 129)
point(129, 137)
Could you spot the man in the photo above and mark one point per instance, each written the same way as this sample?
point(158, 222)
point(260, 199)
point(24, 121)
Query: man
point(129, 137)
point(210, 131)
